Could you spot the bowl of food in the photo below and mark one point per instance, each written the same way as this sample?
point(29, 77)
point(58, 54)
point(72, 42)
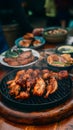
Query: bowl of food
point(55, 34)
point(60, 62)
point(65, 49)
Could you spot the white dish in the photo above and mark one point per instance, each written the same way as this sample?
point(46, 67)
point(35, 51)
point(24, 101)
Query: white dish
point(34, 52)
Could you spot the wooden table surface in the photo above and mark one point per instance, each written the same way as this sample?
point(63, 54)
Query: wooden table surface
point(66, 124)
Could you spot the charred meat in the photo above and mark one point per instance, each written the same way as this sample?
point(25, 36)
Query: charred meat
point(35, 82)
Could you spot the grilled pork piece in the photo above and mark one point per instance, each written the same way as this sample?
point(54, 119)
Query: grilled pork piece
point(25, 54)
point(11, 61)
point(26, 61)
point(23, 58)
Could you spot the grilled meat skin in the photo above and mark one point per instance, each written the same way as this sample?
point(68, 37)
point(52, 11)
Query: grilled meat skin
point(35, 82)
point(39, 87)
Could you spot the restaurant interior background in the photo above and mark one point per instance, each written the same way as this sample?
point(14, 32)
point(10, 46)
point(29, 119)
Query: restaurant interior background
point(36, 15)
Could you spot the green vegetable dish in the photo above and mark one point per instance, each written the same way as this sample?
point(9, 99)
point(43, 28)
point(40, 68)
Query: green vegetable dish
point(12, 53)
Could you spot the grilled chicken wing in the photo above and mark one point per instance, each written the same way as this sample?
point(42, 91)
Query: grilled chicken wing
point(45, 74)
point(15, 90)
point(23, 95)
point(52, 86)
point(39, 87)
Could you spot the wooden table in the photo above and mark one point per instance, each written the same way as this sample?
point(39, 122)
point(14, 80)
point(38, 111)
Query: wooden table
point(64, 124)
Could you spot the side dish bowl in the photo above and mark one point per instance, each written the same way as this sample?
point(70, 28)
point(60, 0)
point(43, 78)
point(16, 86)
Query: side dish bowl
point(68, 49)
point(55, 34)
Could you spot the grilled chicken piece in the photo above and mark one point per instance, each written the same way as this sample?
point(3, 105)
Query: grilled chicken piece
point(30, 82)
point(23, 95)
point(38, 82)
point(36, 43)
point(10, 82)
point(59, 75)
point(52, 87)
point(19, 74)
point(36, 72)
point(51, 58)
point(62, 74)
point(66, 56)
point(25, 43)
point(45, 71)
point(21, 82)
point(28, 36)
point(14, 90)
point(45, 74)
point(39, 87)
point(29, 71)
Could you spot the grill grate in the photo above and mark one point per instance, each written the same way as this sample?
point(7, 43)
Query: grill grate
point(34, 102)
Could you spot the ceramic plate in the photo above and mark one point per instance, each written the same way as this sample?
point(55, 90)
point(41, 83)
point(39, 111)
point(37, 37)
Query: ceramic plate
point(34, 52)
point(42, 40)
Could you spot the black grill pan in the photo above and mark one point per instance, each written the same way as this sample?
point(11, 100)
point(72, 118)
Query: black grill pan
point(35, 103)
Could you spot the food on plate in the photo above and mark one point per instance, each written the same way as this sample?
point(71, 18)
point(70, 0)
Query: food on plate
point(56, 31)
point(23, 58)
point(12, 53)
point(28, 36)
point(34, 82)
point(55, 34)
point(39, 87)
point(25, 43)
point(60, 60)
point(36, 42)
point(29, 40)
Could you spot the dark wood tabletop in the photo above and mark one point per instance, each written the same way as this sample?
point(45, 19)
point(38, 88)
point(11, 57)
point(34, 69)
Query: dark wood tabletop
point(65, 116)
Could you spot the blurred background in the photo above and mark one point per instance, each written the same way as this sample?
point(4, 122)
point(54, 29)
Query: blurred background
point(32, 8)
point(35, 11)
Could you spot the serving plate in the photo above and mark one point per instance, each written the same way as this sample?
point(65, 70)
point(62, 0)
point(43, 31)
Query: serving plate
point(34, 52)
point(42, 42)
